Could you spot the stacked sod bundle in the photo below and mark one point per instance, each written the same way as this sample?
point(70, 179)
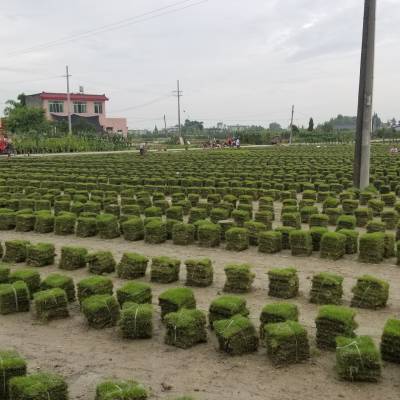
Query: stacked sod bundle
point(64, 223)
point(120, 390)
point(183, 234)
point(86, 226)
point(101, 311)
point(286, 343)
point(209, 234)
point(240, 217)
point(237, 239)
point(40, 254)
point(51, 304)
point(270, 242)
point(94, 285)
point(175, 299)
point(38, 386)
point(301, 243)
point(254, 229)
point(136, 321)
point(7, 219)
point(358, 359)
point(333, 321)
point(333, 245)
point(44, 222)
point(101, 262)
point(277, 312)
point(283, 283)
point(390, 343)
point(24, 221)
point(107, 226)
point(199, 273)
point(372, 247)
point(351, 240)
point(14, 298)
point(239, 278)
point(185, 328)
point(316, 235)
point(28, 275)
point(4, 273)
point(133, 229)
point(15, 251)
point(73, 258)
point(236, 335)
point(64, 282)
point(155, 231)
point(370, 292)
point(285, 231)
point(11, 365)
point(389, 245)
point(225, 307)
point(376, 226)
point(135, 292)
point(326, 289)
point(132, 266)
point(165, 269)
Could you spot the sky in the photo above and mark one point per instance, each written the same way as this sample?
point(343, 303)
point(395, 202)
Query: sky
point(238, 62)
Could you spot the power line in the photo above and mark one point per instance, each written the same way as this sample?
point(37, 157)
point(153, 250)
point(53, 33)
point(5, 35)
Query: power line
point(109, 27)
point(143, 105)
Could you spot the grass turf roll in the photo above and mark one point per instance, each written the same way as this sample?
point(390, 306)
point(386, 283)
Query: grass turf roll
point(239, 278)
point(132, 266)
point(286, 343)
point(28, 275)
point(11, 365)
point(107, 226)
point(283, 283)
point(4, 273)
point(86, 226)
point(44, 222)
point(136, 321)
point(390, 342)
point(136, 292)
point(38, 386)
point(120, 390)
point(164, 269)
point(236, 335)
point(101, 311)
point(209, 234)
point(51, 304)
point(199, 272)
point(370, 292)
point(237, 239)
point(155, 231)
point(270, 242)
point(64, 224)
point(94, 285)
point(25, 222)
point(301, 243)
point(185, 328)
point(64, 282)
point(14, 298)
point(101, 262)
point(174, 299)
point(333, 245)
point(225, 307)
point(40, 254)
point(327, 288)
point(183, 234)
point(73, 258)
point(133, 229)
point(372, 247)
point(15, 251)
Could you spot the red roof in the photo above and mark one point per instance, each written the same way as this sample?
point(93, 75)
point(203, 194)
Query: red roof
point(73, 96)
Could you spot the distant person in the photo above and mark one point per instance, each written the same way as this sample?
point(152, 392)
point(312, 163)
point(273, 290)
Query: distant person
point(237, 143)
point(142, 149)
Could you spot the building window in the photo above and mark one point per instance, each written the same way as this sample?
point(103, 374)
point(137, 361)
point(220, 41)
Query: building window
point(56, 106)
point(79, 107)
point(98, 108)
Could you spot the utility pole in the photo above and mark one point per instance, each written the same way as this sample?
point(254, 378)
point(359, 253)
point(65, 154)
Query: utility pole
point(179, 95)
point(68, 102)
point(365, 96)
point(291, 126)
point(165, 125)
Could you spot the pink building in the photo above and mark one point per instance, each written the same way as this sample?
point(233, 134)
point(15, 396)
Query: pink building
point(90, 107)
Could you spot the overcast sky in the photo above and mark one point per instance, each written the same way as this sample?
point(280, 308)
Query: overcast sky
point(238, 61)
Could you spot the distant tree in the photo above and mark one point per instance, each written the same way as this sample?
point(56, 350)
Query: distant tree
point(376, 122)
point(192, 127)
point(311, 125)
point(327, 127)
point(393, 122)
point(155, 131)
point(274, 126)
point(295, 129)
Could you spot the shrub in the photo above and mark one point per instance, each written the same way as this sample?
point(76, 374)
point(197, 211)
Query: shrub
point(28, 275)
point(390, 343)
point(185, 328)
point(333, 321)
point(136, 321)
point(333, 245)
point(101, 311)
point(327, 288)
point(175, 299)
point(107, 226)
point(301, 243)
point(14, 297)
point(64, 282)
point(372, 247)
point(132, 266)
point(183, 234)
point(291, 219)
point(199, 273)
point(240, 217)
point(358, 359)
point(370, 292)
point(283, 283)
point(64, 223)
point(118, 389)
point(94, 285)
point(135, 292)
point(270, 242)
point(15, 251)
point(286, 343)
point(209, 234)
point(285, 231)
point(12, 365)
point(225, 307)
point(38, 386)
point(239, 278)
point(44, 222)
point(133, 229)
point(155, 232)
point(73, 258)
point(86, 226)
point(51, 304)
point(236, 336)
point(101, 262)
point(165, 270)
point(237, 239)
point(40, 254)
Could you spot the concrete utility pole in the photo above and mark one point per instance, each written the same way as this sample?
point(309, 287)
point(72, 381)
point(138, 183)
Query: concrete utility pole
point(179, 95)
point(165, 125)
point(291, 126)
point(365, 96)
point(68, 102)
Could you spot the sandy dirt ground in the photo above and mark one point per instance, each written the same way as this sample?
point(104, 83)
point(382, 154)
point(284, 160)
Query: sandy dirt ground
point(85, 356)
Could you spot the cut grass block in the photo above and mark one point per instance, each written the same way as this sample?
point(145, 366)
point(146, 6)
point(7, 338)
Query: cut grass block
point(183, 234)
point(301, 243)
point(175, 299)
point(155, 231)
point(107, 226)
point(28, 275)
point(40, 254)
point(199, 272)
point(370, 292)
point(86, 226)
point(225, 307)
point(327, 288)
point(15, 251)
point(64, 282)
point(390, 342)
point(94, 285)
point(133, 229)
point(283, 283)
point(132, 266)
point(101, 311)
point(14, 298)
point(237, 239)
point(270, 242)
point(73, 258)
point(101, 262)
point(135, 292)
point(165, 269)
point(333, 245)
point(372, 247)
point(4, 273)
point(51, 304)
point(351, 240)
point(120, 390)
point(209, 234)
point(11, 365)
point(136, 321)
point(239, 278)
